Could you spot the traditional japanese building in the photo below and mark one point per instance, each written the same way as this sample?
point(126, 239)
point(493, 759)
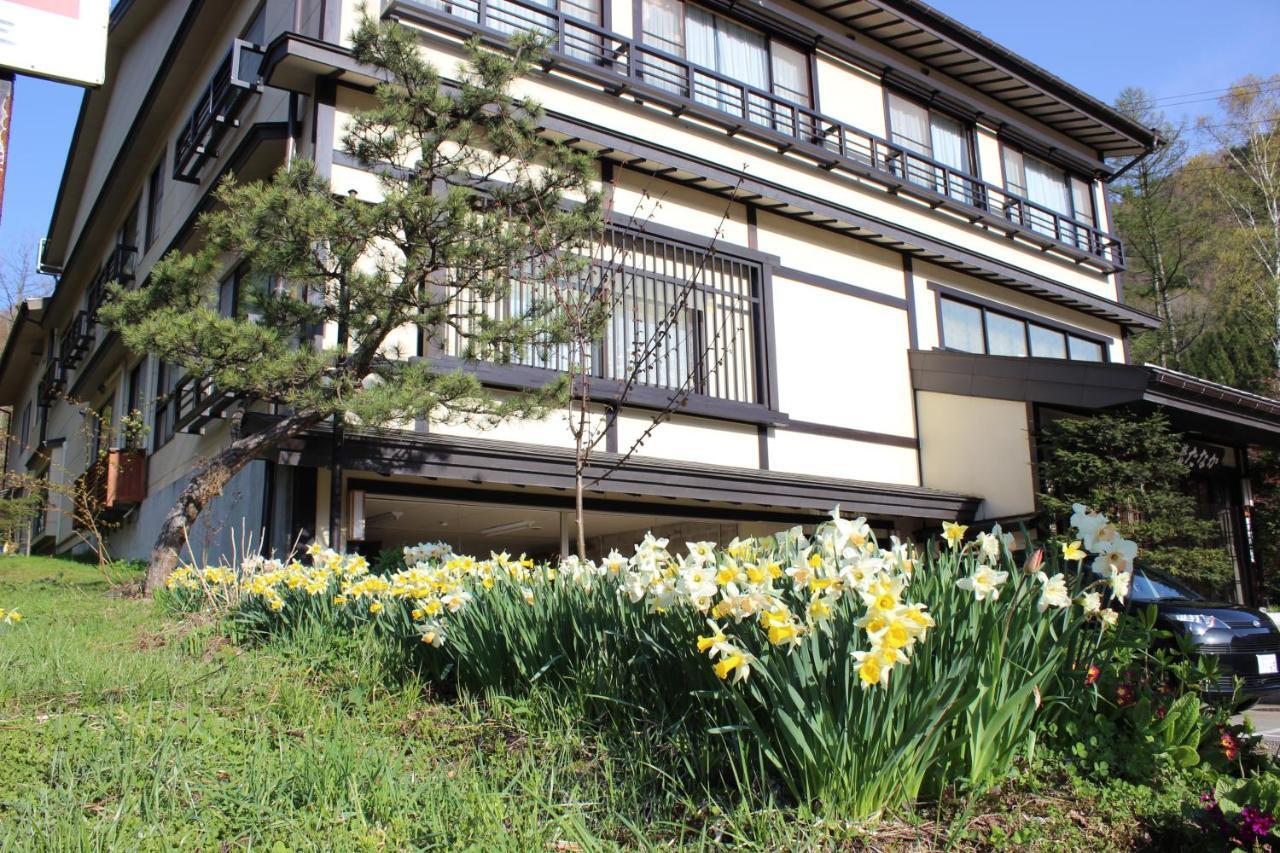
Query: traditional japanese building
point(909, 221)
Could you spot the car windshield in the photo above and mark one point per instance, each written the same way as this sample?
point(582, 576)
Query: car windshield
point(1150, 585)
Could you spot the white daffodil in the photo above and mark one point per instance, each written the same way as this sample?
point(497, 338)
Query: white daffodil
point(1087, 523)
point(1109, 617)
point(1091, 603)
point(1054, 593)
point(614, 563)
point(1120, 582)
point(984, 583)
point(1118, 557)
point(994, 543)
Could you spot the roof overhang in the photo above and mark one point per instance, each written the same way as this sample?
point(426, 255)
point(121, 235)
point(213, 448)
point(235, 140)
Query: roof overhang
point(942, 44)
point(22, 351)
point(482, 462)
point(1217, 412)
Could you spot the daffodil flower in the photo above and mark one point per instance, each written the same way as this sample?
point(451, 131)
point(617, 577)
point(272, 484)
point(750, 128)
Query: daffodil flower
point(1054, 592)
point(984, 583)
point(1073, 551)
point(954, 532)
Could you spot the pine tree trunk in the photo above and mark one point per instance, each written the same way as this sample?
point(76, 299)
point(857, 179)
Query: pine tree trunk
point(207, 483)
point(577, 507)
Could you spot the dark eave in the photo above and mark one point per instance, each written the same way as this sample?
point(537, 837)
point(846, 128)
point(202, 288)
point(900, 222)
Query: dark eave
point(945, 45)
point(1217, 412)
point(482, 462)
point(292, 61)
point(22, 351)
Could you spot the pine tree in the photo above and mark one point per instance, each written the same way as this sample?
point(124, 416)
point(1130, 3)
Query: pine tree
point(1128, 465)
point(472, 197)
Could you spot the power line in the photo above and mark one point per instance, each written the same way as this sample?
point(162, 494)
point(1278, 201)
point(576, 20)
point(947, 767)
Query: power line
point(1260, 85)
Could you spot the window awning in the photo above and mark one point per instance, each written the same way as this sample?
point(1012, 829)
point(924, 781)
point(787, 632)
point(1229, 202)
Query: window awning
point(1218, 412)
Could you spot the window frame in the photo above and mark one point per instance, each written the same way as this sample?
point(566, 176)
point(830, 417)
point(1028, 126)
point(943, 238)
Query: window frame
point(1027, 319)
point(970, 129)
point(763, 409)
point(155, 202)
point(770, 37)
point(1068, 175)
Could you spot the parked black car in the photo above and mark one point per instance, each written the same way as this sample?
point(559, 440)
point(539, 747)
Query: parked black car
point(1245, 642)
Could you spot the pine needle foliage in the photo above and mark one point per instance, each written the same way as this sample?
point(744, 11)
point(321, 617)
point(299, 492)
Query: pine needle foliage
point(471, 198)
point(1128, 465)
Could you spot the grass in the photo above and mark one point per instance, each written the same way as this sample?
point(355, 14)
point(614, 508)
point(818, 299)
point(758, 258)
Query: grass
point(122, 728)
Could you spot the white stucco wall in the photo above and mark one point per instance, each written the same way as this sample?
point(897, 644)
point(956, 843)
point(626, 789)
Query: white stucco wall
point(980, 447)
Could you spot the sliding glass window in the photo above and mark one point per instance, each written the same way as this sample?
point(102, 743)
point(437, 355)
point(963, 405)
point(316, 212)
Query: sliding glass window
point(938, 137)
point(734, 54)
point(1050, 190)
point(968, 327)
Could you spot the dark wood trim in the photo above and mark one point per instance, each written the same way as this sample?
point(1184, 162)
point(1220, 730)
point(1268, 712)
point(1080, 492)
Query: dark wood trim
point(825, 214)
point(762, 449)
point(784, 200)
point(1017, 313)
point(680, 106)
point(842, 287)
point(909, 287)
point(128, 149)
point(480, 462)
point(607, 391)
point(501, 497)
point(834, 431)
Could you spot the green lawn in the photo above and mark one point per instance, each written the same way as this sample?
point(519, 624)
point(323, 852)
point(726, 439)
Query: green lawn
point(122, 728)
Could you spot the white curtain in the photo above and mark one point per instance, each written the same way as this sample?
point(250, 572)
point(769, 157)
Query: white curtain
point(662, 24)
point(950, 146)
point(1046, 185)
point(1082, 200)
point(732, 50)
point(909, 125)
point(790, 74)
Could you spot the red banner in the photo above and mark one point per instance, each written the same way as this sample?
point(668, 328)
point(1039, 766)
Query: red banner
point(70, 8)
point(6, 118)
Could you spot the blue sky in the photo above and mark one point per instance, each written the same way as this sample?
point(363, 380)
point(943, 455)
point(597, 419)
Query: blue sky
point(1169, 47)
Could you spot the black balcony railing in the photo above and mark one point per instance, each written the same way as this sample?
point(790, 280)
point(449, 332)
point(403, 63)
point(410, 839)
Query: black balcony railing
point(191, 404)
point(119, 267)
point(621, 64)
point(52, 382)
point(77, 339)
point(217, 110)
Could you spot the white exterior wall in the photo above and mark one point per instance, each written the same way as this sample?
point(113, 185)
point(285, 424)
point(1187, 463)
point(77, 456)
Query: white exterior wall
point(973, 444)
point(841, 350)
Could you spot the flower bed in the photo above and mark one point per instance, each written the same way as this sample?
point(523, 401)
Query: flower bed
point(853, 676)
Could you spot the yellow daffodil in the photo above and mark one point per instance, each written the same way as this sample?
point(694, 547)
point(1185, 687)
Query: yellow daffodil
point(953, 532)
point(735, 664)
point(1073, 551)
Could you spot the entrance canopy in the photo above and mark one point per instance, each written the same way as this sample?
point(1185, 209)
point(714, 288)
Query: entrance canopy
point(1194, 405)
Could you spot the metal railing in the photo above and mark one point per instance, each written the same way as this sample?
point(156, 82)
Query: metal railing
point(681, 319)
point(118, 267)
point(191, 404)
point(52, 381)
point(77, 338)
point(619, 62)
point(217, 109)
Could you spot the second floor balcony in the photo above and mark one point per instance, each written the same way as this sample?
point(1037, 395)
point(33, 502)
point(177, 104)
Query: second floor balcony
point(779, 117)
point(77, 339)
point(118, 268)
point(217, 110)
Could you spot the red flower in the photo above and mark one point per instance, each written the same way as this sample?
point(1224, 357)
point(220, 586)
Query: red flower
point(1124, 695)
point(1091, 674)
point(1160, 712)
point(1230, 747)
